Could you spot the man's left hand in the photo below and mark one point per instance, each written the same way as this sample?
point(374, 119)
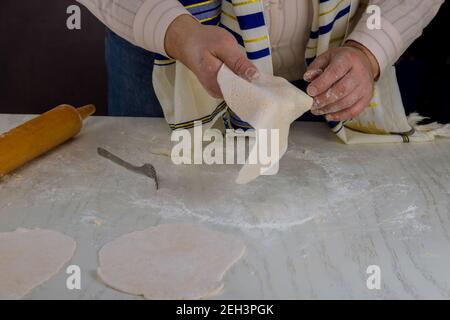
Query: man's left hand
point(342, 81)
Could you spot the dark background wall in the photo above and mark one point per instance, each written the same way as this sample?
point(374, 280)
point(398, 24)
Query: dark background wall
point(43, 64)
point(424, 70)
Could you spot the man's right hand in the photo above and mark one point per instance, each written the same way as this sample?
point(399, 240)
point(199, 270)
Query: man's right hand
point(203, 49)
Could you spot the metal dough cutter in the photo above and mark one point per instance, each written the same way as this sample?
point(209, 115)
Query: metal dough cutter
point(147, 169)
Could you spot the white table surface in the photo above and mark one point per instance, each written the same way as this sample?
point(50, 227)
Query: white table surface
point(311, 231)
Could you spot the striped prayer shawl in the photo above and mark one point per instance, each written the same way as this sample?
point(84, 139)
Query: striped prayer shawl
point(184, 101)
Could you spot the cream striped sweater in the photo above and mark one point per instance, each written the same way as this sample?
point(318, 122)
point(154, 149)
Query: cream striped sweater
point(144, 23)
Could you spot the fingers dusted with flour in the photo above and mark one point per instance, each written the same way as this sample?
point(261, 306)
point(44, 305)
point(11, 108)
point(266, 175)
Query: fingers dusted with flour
point(342, 82)
point(203, 49)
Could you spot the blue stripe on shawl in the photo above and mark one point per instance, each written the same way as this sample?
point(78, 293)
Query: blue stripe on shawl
point(328, 27)
point(160, 57)
point(189, 2)
point(205, 8)
point(251, 21)
point(255, 55)
point(213, 22)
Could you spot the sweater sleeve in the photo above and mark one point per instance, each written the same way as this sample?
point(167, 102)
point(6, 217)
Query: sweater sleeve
point(402, 22)
point(141, 22)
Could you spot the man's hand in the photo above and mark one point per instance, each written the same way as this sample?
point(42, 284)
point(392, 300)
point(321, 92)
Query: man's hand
point(342, 81)
point(203, 49)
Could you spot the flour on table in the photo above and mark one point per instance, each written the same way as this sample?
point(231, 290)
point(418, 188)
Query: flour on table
point(172, 261)
point(266, 103)
point(30, 257)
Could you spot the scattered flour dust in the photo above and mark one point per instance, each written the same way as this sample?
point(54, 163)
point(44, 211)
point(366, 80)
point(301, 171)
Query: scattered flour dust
point(280, 210)
point(176, 209)
point(273, 224)
point(345, 186)
point(408, 218)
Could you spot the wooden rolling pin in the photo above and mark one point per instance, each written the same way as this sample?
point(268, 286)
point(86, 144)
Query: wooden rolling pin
point(39, 135)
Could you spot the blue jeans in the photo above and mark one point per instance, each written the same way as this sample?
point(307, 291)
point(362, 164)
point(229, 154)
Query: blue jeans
point(130, 89)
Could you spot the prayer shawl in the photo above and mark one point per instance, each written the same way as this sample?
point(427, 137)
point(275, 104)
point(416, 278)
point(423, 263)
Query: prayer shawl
point(184, 101)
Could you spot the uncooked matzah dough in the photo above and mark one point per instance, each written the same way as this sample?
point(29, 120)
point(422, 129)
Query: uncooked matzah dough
point(266, 103)
point(30, 257)
point(172, 261)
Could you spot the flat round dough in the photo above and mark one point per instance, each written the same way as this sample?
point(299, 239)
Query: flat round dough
point(172, 261)
point(30, 257)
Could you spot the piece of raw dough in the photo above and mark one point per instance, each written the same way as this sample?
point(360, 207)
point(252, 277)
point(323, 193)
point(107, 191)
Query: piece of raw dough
point(266, 103)
point(172, 261)
point(30, 257)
